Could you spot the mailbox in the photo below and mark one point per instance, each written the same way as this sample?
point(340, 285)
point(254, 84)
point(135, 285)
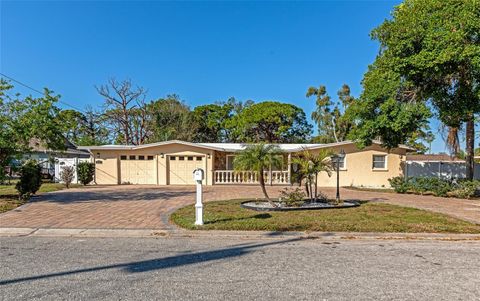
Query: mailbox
point(198, 177)
point(198, 174)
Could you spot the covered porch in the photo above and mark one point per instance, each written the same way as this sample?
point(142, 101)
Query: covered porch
point(224, 172)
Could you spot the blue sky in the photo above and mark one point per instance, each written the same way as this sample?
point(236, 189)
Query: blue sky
point(203, 51)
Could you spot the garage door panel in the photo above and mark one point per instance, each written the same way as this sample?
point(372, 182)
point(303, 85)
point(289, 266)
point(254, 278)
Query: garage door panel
point(180, 171)
point(137, 171)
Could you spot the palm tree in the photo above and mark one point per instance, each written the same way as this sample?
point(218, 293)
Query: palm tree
point(257, 158)
point(453, 140)
point(311, 165)
point(304, 173)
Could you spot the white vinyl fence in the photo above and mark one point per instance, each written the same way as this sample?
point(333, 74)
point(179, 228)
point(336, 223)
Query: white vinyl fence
point(63, 162)
point(439, 169)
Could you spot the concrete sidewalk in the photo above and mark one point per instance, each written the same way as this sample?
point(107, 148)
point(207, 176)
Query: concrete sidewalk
point(51, 232)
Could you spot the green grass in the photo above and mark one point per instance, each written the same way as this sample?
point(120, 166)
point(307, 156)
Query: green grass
point(9, 195)
point(46, 187)
point(9, 203)
point(369, 217)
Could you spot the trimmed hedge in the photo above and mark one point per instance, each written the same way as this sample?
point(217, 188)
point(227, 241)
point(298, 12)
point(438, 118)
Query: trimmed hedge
point(30, 179)
point(438, 187)
point(85, 172)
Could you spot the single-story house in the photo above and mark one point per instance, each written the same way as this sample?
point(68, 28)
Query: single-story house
point(172, 163)
point(50, 159)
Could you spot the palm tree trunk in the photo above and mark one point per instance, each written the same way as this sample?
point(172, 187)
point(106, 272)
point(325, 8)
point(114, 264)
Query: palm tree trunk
point(316, 186)
point(306, 187)
point(470, 148)
point(261, 179)
point(311, 189)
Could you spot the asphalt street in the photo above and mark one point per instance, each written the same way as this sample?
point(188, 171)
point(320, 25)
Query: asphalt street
point(46, 268)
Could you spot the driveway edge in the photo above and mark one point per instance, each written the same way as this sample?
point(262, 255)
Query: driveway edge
point(152, 233)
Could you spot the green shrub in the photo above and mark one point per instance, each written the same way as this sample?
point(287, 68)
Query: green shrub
point(3, 174)
point(435, 186)
point(30, 179)
point(423, 185)
point(399, 184)
point(85, 172)
point(466, 189)
point(292, 197)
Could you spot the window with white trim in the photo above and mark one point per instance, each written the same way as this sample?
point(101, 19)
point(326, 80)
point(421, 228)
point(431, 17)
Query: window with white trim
point(379, 162)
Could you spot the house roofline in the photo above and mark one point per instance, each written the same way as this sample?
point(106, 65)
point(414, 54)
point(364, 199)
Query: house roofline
point(347, 142)
point(226, 149)
point(134, 147)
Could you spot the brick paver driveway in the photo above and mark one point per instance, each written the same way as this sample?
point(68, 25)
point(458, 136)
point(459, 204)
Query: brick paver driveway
point(120, 207)
point(148, 207)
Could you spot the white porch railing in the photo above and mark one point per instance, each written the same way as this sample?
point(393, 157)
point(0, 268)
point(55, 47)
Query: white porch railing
point(281, 177)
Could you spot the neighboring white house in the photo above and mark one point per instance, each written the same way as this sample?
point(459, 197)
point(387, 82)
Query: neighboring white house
point(437, 165)
point(51, 161)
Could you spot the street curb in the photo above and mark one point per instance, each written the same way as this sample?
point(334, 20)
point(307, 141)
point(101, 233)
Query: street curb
point(144, 233)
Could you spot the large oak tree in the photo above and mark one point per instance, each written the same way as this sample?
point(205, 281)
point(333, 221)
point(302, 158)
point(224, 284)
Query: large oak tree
point(429, 54)
point(271, 122)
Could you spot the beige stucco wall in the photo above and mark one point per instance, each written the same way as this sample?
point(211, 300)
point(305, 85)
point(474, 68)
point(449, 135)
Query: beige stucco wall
point(359, 170)
point(106, 167)
point(108, 171)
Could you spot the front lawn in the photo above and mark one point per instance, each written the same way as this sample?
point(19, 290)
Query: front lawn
point(9, 195)
point(369, 217)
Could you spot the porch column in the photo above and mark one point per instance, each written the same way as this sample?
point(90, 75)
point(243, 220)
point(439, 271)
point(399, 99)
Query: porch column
point(289, 163)
point(156, 169)
point(205, 168)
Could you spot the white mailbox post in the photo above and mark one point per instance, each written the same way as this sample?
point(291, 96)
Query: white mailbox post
point(198, 176)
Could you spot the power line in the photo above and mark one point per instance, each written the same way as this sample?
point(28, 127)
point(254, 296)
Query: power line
point(39, 92)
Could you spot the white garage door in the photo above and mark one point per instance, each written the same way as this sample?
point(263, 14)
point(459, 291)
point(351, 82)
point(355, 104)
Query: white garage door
point(181, 169)
point(137, 169)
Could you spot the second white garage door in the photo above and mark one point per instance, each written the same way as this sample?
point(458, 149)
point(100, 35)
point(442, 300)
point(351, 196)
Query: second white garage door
point(137, 170)
point(181, 169)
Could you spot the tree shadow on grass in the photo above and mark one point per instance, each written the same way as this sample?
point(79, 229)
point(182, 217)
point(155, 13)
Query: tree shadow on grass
point(257, 216)
point(161, 263)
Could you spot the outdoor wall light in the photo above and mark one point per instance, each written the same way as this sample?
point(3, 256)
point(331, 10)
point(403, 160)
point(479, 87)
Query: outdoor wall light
point(209, 156)
point(98, 155)
point(162, 155)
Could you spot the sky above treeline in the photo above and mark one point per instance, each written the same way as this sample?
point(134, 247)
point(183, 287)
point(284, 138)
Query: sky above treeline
point(202, 51)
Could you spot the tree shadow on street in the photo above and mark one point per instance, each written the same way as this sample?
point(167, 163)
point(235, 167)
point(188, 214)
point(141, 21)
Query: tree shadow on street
point(161, 263)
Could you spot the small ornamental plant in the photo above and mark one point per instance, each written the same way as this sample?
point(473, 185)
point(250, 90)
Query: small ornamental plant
point(67, 174)
point(292, 197)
